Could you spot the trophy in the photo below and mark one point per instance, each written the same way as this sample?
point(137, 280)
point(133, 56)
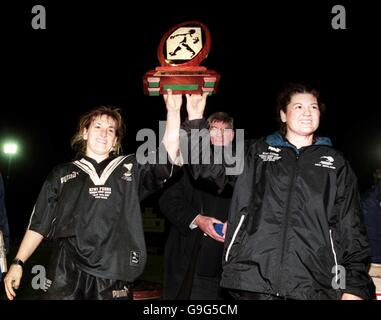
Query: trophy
point(180, 52)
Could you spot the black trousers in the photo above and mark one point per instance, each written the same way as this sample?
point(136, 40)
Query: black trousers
point(248, 295)
point(206, 288)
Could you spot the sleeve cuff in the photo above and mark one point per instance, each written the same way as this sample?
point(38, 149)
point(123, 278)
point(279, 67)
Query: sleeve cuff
point(192, 225)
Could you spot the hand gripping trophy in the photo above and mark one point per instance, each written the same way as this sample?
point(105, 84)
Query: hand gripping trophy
point(180, 52)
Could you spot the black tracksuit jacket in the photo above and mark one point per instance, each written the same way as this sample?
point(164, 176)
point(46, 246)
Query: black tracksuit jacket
point(98, 205)
point(295, 227)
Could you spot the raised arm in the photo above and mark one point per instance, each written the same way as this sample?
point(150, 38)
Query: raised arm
point(199, 155)
point(171, 138)
point(152, 176)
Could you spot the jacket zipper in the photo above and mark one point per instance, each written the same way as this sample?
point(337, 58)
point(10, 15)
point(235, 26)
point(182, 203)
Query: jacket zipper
point(234, 236)
point(285, 223)
point(334, 255)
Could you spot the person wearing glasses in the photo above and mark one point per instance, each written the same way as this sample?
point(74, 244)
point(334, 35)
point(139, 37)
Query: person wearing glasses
point(193, 250)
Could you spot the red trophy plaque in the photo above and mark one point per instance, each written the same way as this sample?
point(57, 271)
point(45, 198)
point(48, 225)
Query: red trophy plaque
point(180, 52)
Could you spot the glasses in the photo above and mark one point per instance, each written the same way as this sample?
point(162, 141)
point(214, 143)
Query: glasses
point(222, 130)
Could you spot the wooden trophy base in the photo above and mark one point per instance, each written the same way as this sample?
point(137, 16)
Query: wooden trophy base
point(182, 80)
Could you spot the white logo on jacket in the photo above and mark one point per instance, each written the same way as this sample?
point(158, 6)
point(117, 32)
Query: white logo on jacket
point(134, 257)
point(69, 176)
point(100, 192)
point(327, 162)
point(128, 174)
point(274, 149)
point(271, 156)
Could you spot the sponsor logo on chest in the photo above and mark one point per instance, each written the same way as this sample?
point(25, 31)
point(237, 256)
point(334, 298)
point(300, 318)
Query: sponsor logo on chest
point(272, 155)
point(100, 192)
point(69, 176)
point(326, 162)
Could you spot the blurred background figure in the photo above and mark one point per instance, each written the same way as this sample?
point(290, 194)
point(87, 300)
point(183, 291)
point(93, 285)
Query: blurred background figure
point(4, 231)
point(371, 205)
point(193, 251)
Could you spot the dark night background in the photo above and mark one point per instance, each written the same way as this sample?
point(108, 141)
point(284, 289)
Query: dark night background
point(98, 53)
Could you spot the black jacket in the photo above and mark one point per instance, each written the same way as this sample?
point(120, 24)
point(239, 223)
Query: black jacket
point(188, 251)
point(98, 205)
point(295, 222)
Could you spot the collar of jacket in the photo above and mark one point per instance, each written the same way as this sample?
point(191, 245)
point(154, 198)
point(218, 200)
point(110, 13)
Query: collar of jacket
point(99, 167)
point(277, 140)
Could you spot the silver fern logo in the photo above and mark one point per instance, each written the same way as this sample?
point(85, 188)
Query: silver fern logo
point(128, 174)
point(326, 162)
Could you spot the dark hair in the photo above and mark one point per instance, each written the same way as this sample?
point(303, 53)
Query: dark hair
point(284, 98)
point(79, 144)
point(222, 117)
